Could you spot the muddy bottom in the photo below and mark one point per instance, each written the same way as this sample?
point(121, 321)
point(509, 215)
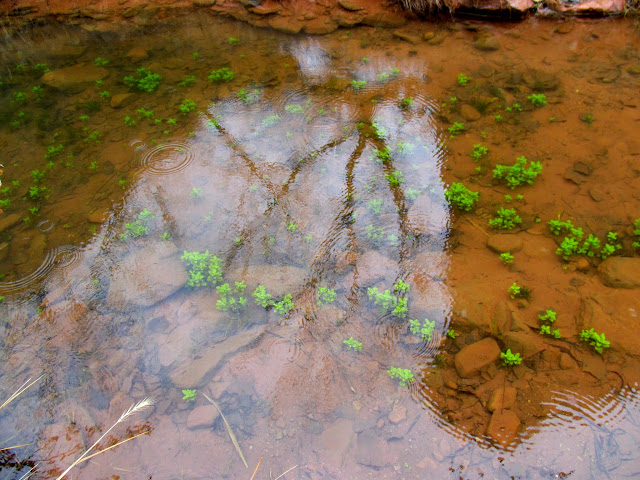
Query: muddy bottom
point(368, 254)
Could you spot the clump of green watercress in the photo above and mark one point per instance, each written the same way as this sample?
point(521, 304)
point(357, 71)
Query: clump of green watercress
point(144, 80)
point(425, 330)
point(265, 300)
point(325, 296)
point(509, 358)
point(518, 173)
point(538, 99)
point(573, 244)
point(596, 340)
point(139, 227)
point(204, 269)
point(519, 291)
point(390, 303)
point(353, 344)
point(221, 75)
point(231, 300)
point(189, 395)
point(506, 258)
point(461, 197)
point(403, 374)
point(506, 220)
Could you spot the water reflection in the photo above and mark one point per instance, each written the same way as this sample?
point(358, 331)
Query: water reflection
point(296, 178)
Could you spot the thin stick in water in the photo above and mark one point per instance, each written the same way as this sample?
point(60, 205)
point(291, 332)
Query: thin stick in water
point(257, 467)
point(286, 472)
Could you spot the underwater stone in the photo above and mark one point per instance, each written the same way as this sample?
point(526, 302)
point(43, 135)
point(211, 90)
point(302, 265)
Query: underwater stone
point(620, 272)
point(74, 76)
point(503, 426)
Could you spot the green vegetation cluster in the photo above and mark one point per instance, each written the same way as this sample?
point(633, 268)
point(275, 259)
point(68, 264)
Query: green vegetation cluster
point(144, 80)
point(459, 196)
point(519, 173)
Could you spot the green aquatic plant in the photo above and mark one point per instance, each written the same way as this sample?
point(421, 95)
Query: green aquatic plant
point(139, 227)
point(231, 300)
point(383, 77)
point(548, 316)
point(558, 226)
point(456, 129)
point(93, 136)
point(406, 103)
point(375, 233)
point(204, 269)
point(379, 131)
point(403, 374)
point(382, 156)
point(596, 340)
point(506, 220)
point(187, 106)
point(188, 80)
point(100, 62)
point(451, 333)
point(412, 193)
point(294, 109)
point(424, 330)
point(325, 296)
point(248, 97)
point(37, 176)
point(105, 95)
point(53, 151)
point(506, 258)
point(394, 178)
point(196, 193)
point(587, 118)
point(284, 306)
point(388, 302)
point(358, 84)
point(538, 99)
point(463, 79)
point(509, 358)
point(221, 75)
point(261, 297)
point(353, 344)
point(405, 148)
point(375, 205)
point(518, 173)
point(401, 287)
point(271, 120)
point(636, 232)
point(129, 122)
point(546, 330)
point(144, 113)
point(144, 80)
point(189, 395)
point(519, 291)
point(479, 151)
point(461, 197)
point(233, 41)
point(292, 227)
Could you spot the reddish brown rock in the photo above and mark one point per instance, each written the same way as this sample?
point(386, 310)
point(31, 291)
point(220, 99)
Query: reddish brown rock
point(473, 358)
point(567, 362)
point(398, 414)
point(504, 242)
point(502, 398)
point(620, 272)
point(503, 426)
point(202, 417)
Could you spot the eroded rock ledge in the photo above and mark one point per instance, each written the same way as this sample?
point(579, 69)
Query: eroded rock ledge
point(295, 16)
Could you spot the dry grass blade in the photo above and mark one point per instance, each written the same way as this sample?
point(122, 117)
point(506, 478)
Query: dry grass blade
point(286, 472)
point(226, 424)
point(112, 446)
point(19, 392)
point(31, 471)
point(15, 446)
point(136, 407)
point(257, 467)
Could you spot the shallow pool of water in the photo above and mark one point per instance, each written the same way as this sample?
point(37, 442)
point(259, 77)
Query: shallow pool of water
point(145, 170)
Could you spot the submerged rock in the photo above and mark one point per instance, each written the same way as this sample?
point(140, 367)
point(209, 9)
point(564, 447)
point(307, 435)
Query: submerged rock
point(202, 417)
point(278, 280)
point(146, 277)
point(74, 76)
point(195, 373)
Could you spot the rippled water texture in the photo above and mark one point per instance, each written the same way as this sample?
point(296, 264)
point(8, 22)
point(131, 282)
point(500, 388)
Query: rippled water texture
point(323, 163)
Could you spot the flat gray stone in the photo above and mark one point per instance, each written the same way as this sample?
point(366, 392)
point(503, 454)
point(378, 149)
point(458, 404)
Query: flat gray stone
point(146, 277)
point(195, 373)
